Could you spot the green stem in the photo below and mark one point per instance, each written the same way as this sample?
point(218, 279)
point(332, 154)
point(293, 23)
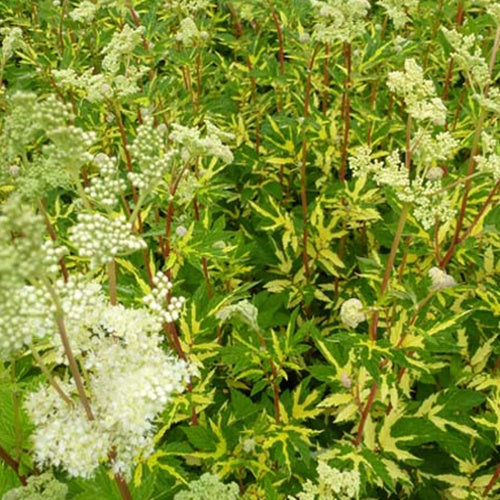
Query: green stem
point(112, 282)
point(73, 366)
point(52, 381)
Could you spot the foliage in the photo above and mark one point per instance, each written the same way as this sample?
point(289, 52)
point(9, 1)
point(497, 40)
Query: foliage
point(251, 247)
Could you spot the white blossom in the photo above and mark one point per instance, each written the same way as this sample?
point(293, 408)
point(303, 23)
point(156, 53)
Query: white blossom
point(84, 12)
point(12, 39)
point(339, 19)
point(467, 56)
point(352, 313)
point(332, 483)
point(419, 94)
point(399, 10)
point(129, 380)
point(440, 279)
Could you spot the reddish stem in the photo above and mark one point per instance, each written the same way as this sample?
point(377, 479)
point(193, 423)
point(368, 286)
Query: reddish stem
point(303, 171)
point(346, 110)
point(326, 79)
point(492, 481)
point(366, 411)
point(281, 55)
point(13, 464)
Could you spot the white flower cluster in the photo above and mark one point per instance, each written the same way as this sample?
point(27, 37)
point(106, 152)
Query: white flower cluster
point(121, 44)
point(158, 297)
point(440, 279)
point(191, 143)
point(188, 33)
point(101, 86)
point(12, 39)
point(339, 19)
point(244, 310)
point(352, 313)
point(84, 12)
point(489, 161)
point(467, 56)
point(399, 10)
point(430, 202)
point(188, 6)
point(490, 102)
point(332, 484)
point(209, 486)
point(106, 188)
point(418, 93)
point(430, 149)
point(129, 381)
point(392, 172)
point(148, 152)
point(82, 304)
point(100, 239)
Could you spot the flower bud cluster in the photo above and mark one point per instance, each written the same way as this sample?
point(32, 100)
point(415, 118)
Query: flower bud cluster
point(440, 279)
point(70, 146)
point(25, 253)
point(418, 93)
point(24, 315)
point(100, 239)
point(339, 20)
point(189, 34)
point(467, 56)
point(106, 188)
point(12, 39)
point(352, 313)
point(28, 117)
point(399, 10)
point(148, 152)
point(332, 483)
point(209, 485)
point(122, 44)
point(193, 145)
point(157, 299)
point(40, 487)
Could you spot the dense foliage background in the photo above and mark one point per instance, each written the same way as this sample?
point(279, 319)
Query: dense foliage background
point(286, 157)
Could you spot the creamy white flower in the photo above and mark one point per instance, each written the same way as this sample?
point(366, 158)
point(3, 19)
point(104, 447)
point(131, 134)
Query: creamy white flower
point(440, 279)
point(351, 313)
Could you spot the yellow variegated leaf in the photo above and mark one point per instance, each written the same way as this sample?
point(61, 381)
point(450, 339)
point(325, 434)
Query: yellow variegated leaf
point(482, 355)
point(305, 409)
point(390, 444)
point(446, 324)
point(145, 289)
point(347, 413)
point(335, 400)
